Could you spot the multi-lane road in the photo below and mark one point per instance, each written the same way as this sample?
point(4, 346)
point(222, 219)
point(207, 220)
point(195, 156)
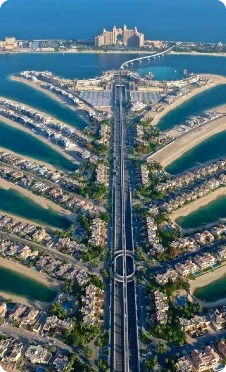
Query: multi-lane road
point(123, 307)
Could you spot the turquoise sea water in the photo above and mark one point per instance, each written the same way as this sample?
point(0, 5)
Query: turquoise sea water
point(203, 20)
point(21, 285)
point(212, 148)
point(90, 65)
point(25, 144)
point(213, 291)
point(11, 201)
point(207, 214)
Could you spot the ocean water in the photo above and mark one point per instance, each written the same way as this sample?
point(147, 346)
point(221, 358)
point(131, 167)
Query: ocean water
point(90, 65)
point(212, 148)
point(202, 20)
point(13, 202)
point(212, 292)
point(207, 214)
point(23, 143)
point(21, 285)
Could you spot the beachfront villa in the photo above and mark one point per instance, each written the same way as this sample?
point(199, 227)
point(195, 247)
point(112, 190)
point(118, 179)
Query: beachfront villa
point(186, 268)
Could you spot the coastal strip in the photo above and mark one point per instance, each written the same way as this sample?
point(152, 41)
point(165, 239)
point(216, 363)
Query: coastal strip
point(40, 138)
point(190, 208)
point(215, 80)
point(46, 92)
point(30, 274)
point(205, 280)
point(184, 143)
point(30, 159)
point(43, 202)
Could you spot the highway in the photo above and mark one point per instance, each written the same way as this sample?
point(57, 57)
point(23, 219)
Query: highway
point(148, 57)
point(124, 352)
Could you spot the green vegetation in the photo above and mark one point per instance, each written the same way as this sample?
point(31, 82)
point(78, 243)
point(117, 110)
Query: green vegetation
point(84, 221)
point(140, 256)
point(103, 365)
point(88, 352)
point(76, 365)
point(80, 334)
point(103, 339)
point(96, 280)
point(171, 331)
point(168, 288)
point(189, 310)
point(150, 363)
point(58, 310)
point(92, 253)
point(161, 347)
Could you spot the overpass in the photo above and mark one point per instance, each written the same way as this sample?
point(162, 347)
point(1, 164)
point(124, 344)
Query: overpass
point(148, 57)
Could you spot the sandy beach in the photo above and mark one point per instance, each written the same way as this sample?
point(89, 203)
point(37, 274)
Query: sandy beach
point(54, 119)
point(32, 274)
point(93, 51)
point(193, 53)
point(44, 91)
point(182, 144)
point(188, 209)
point(32, 160)
point(207, 279)
point(41, 138)
point(43, 202)
point(216, 80)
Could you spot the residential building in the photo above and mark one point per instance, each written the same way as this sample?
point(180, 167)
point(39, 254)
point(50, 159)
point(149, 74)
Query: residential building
point(184, 365)
point(205, 360)
point(36, 354)
point(186, 268)
point(204, 261)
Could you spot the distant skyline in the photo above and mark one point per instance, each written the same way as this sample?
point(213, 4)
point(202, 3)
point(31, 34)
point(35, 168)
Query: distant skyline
point(198, 20)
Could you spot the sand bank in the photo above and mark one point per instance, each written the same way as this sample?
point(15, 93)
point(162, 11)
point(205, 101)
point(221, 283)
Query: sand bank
point(187, 141)
point(216, 80)
point(188, 209)
point(205, 280)
point(28, 158)
point(43, 90)
point(193, 53)
point(43, 202)
point(41, 138)
point(54, 119)
point(32, 274)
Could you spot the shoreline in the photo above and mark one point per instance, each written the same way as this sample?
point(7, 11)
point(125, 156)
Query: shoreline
point(216, 80)
point(190, 139)
point(197, 204)
point(40, 138)
point(29, 158)
point(32, 274)
point(205, 280)
point(53, 96)
point(92, 51)
point(43, 202)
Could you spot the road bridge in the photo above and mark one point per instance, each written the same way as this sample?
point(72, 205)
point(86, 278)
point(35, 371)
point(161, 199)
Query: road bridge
point(148, 57)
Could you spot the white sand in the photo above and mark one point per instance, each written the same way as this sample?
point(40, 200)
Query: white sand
point(32, 274)
point(43, 202)
point(216, 80)
point(190, 139)
point(188, 209)
point(40, 162)
point(207, 279)
point(41, 138)
point(43, 90)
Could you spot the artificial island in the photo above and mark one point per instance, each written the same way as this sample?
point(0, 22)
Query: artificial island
point(123, 284)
